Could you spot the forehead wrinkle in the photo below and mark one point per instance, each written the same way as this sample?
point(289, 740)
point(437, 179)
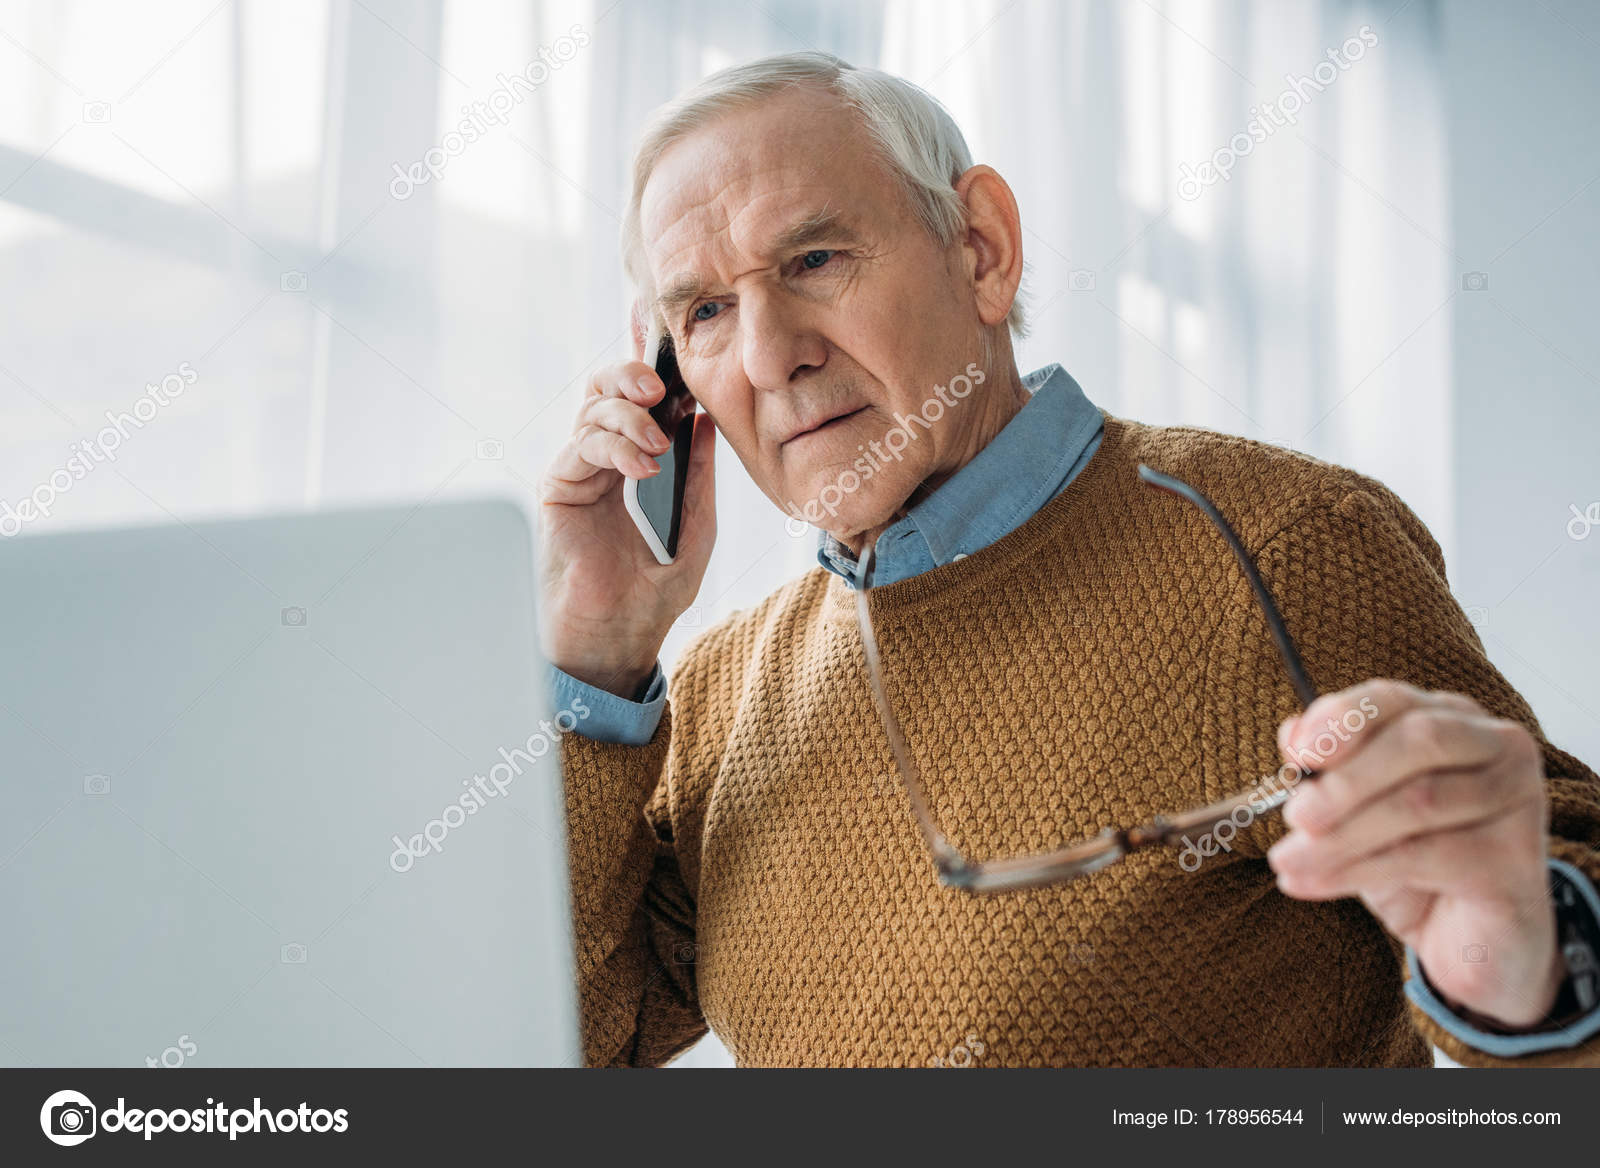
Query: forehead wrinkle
point(727, 201)
point(788, 140)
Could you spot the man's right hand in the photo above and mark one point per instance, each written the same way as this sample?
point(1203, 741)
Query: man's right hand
point(607, 605)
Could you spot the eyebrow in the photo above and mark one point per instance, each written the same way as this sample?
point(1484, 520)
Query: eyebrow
point(819, 226)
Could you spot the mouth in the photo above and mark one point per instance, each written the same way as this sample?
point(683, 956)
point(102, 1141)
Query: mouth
point(824, 426)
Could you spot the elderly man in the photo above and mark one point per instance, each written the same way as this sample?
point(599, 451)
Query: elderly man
point(1066, 650)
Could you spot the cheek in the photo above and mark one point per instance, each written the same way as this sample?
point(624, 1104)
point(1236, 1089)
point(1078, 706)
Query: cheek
point(718, 394)
point(731, 406)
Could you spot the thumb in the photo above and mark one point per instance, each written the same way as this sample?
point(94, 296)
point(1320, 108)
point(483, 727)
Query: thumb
point(700, 492)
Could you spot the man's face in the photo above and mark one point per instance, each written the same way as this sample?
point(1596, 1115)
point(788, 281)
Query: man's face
point(810, 308)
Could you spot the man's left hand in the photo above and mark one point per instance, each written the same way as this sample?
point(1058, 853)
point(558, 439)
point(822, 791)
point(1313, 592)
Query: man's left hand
point(1433, 812)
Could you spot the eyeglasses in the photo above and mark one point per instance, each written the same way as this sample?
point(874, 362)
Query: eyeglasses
point(1113, 844)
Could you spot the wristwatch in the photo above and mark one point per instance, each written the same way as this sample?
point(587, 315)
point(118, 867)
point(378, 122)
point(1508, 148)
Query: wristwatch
point(1578, 938)
point(1578, 934)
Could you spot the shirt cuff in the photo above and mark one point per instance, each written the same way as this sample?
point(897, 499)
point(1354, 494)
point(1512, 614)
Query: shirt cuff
point(1509, 1045)
point(612, 718)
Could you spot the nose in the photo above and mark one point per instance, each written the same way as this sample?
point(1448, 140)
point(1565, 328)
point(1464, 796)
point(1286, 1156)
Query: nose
point(780, 344)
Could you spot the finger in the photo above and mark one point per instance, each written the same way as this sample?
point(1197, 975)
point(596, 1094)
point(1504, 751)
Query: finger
point(633, 380)
point(1331, 726)
point(1337, 726)
point(573, 480)
point(629, 419)
point(569, 465)
point(1289, 727)
point(1375, 699)
point(1437, 801)
point(1469, 862)
point(1436, 737)
point(607, 448)
point(700, 491)
point(593, 450)
point(703, 455)
point(1285, 732)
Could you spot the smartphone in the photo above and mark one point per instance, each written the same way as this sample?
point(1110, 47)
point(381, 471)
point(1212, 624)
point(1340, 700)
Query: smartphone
point(655, 504)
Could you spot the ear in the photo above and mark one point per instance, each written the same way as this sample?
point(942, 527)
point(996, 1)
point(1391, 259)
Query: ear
point(639, 326)
point(993, 242)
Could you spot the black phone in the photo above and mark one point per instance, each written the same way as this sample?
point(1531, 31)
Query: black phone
point(655, 504)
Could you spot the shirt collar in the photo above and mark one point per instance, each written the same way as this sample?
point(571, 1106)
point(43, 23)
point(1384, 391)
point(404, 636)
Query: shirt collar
point(1021, 469)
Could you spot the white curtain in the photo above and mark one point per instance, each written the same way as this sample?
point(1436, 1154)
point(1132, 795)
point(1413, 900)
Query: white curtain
point(1298, 300)
point(215, 184)
point(218, 185)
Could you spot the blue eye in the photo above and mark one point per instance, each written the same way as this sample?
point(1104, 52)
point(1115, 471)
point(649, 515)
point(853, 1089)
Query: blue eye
point(815, 259)
point(701, 313)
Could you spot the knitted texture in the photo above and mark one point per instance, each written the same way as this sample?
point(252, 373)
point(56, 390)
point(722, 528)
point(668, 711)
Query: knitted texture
point(756, 866)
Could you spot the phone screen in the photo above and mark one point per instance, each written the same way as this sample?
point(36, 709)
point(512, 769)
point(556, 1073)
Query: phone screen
point(661, 496)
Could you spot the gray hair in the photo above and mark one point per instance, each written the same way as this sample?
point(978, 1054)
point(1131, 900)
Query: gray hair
point(919, 141)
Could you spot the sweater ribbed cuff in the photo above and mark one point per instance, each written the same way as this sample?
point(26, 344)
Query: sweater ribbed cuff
point(1575, 1044)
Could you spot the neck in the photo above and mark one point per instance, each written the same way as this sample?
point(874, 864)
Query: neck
point(1003, 400)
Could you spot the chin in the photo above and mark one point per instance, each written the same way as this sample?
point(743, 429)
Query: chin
point(844, 513)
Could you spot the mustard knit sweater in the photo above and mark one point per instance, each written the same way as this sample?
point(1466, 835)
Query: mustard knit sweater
point(756, 867)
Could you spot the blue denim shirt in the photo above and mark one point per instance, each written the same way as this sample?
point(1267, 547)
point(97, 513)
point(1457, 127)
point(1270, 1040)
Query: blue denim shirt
point(1027, 464)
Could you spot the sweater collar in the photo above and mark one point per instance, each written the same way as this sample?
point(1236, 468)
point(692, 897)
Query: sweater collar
point(1024, 466)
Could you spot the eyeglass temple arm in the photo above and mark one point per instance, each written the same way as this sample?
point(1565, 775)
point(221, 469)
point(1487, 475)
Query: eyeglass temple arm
point(1280, 632)
point(1094, 854)
point(945, 857)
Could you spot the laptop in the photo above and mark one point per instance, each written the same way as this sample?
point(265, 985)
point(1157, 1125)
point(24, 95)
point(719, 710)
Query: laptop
point(282, 791)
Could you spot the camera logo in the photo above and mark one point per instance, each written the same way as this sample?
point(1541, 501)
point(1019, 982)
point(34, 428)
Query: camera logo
point(490, 450)
point(67, 1118)
point(1081, 280)
point(292, 954)
point(1475, 282)
point(293, 617)
point(293, 282)
point(96, 785)
point(1475, 954)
